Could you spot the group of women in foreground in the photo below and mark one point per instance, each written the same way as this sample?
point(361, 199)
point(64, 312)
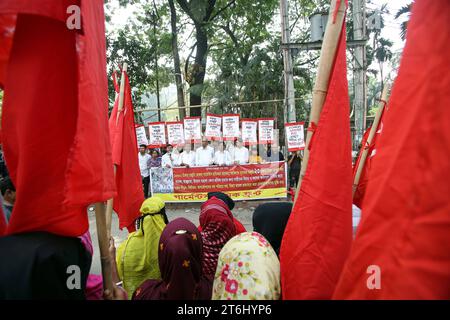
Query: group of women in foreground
point(217, 260)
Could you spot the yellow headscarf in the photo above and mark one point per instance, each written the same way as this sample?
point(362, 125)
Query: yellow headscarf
point(248, 269)
point(137, 256)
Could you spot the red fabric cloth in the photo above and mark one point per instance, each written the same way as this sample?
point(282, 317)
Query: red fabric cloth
point(57, 166)
point(239, 226)
point(405, 223)
point(360, 191)
point(218, 227)
point(318, 235)
point(125, 156)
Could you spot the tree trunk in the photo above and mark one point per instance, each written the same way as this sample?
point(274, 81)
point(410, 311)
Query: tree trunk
point(198, 70)
point(176, 60)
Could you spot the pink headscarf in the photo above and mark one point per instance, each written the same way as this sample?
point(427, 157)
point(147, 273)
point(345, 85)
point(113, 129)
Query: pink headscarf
point(94, 285)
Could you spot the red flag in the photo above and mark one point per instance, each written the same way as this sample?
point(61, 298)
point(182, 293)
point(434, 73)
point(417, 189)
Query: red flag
point(318, 235)
point(360, 191)
point(54, 122)
point(125, 157)
point(402, 247)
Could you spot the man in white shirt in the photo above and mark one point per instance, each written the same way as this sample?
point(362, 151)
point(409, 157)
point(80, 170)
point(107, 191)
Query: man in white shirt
point(144, 166)
point(204, 156)
point(222, 157)
point(176, 156)
point(187, 158)
point(240, 155)
point(167, 160)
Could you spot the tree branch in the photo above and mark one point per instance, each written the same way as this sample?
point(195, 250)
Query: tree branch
point(186, 64)
point(222, 9)
point(185, 6)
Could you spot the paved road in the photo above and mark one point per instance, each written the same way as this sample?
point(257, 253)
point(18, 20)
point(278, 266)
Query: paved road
point(243, 211)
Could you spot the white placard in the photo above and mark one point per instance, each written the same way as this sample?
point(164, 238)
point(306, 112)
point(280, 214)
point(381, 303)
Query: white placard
point(157, 134)
point(249, 128)
point(265, 130)
point(192, 129)
point(141, 135)
point(230, 124)
point(213, 129)
point(295, 136)
point(175, 133)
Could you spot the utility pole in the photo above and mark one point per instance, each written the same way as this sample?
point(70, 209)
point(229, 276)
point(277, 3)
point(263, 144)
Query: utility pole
point(359, 73)
point(156, 67)
point(289, 93)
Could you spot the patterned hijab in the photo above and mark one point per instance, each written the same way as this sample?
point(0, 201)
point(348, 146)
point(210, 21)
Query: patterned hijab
point(137, 256)
point(248, 269)
point(179, 255)
point(216, 221)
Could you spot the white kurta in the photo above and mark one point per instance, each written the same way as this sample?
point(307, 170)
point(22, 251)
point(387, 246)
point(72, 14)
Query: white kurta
point(187, 158)
point(168, 160)
point(240, 155)
point(222, 158)
point(144, 165)
point(204, 156)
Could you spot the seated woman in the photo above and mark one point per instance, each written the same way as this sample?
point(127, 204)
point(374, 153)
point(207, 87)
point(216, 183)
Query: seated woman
point(270, 220)
point(155, 160)
point(137, 256)
point(248, 269)
point(179, 255)
point(217, 224)
point(34, 265)
point(230, 204)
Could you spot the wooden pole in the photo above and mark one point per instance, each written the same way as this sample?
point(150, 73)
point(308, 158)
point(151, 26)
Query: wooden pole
point(373, 131)
point(327, 56)
point(110, 202)
point(122, 86)
point(103, 242)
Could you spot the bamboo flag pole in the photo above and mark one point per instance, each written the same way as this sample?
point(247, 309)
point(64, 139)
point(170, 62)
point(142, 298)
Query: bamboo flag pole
point(103, 242)
point(110, 202)
point(326, 60)
point(372, 133)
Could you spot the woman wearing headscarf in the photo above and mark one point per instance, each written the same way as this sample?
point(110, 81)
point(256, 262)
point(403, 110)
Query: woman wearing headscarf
point(248, 269)
point(137, 256)
point(230, 204)
point(34, 265)
point(216, 221)
point(179, 255)
point(270, 220)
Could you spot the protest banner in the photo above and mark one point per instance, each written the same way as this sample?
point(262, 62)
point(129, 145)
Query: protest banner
point(241, 182)
point(295, 136)
point(230, 126)
point(249, 132)
point(157, 134)
point(265, 130)
point(141, 135)
point(175, 133)
point(213, 129)
point(192, 129)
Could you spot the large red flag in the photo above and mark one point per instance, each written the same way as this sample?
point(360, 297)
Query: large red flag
point(319, 232)
point(54, 121)
point(402, 247)
point(125, 157)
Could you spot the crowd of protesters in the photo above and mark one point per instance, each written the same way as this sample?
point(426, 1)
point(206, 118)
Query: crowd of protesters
point(214, 153)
